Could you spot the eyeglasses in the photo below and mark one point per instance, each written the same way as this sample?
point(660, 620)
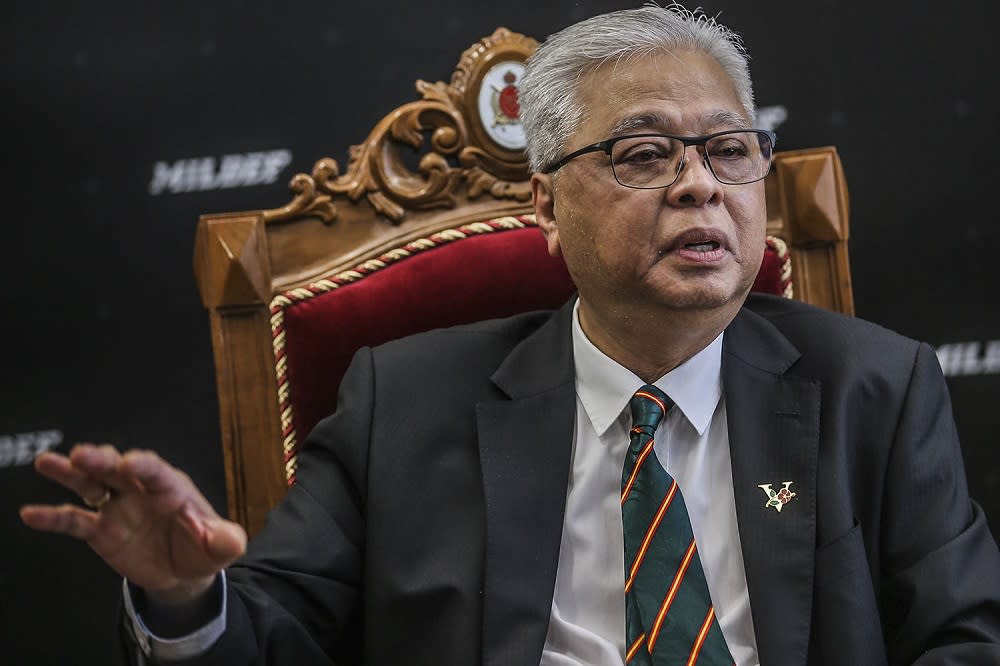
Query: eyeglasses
point(652, 161)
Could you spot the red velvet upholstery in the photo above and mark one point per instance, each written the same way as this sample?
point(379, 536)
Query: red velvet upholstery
point(494, 271)
point(775, 274)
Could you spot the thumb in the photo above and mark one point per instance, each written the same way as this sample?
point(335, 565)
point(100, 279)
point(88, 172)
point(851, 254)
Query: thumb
point(219, 541)
point(224, 541)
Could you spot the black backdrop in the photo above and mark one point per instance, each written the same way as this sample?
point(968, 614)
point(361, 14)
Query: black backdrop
point(104, 338)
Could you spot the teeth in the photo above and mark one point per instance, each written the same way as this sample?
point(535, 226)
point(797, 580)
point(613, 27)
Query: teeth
point(706, 246)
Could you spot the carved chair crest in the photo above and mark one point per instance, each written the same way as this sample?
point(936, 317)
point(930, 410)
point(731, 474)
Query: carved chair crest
point(467, 129)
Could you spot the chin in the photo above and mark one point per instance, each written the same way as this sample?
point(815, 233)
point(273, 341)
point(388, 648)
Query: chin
point(700, 301)
point(704, 296)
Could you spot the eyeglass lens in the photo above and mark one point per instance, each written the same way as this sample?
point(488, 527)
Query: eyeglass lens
point(654, 161)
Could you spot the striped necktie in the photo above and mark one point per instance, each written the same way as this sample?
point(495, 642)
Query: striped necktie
point(669, 616)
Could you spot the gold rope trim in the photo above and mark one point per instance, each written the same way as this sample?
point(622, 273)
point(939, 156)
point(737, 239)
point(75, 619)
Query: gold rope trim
point(280, 302)
point(781, 248)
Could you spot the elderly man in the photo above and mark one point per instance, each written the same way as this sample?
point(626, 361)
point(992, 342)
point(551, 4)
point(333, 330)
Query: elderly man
point(664, 471)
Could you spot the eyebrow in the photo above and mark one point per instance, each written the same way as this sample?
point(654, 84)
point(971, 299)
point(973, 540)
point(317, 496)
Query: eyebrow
point(651, 121)
point(729, 119)
point(658, 121)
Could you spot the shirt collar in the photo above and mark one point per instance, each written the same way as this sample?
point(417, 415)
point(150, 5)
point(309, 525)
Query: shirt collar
point(605, 387)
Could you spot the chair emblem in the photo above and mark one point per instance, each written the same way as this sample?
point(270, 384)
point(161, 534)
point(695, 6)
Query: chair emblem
point(499, 108)
point(506, 109)
point(780, 498)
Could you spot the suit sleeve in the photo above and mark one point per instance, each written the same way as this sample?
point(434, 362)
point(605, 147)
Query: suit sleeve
point(294, 597)
point(941, 568)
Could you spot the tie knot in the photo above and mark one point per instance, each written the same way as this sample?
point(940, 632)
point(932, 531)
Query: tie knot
point(649, 404)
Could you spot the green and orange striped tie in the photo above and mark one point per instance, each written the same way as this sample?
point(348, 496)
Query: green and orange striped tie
point(669, 616)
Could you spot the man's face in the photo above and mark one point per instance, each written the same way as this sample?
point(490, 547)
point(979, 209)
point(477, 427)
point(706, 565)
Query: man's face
point(697, 244)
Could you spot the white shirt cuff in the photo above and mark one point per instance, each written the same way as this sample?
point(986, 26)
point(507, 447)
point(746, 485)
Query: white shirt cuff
point(182, 647)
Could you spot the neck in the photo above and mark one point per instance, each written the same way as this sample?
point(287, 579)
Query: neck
point(651, 343)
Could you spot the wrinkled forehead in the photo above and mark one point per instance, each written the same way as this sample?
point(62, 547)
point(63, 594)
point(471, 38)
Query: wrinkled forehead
point(674, 92)
point(654, 120)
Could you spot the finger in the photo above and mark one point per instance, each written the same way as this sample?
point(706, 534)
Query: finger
point(154, 473)
point(60, 469)
point(67, 519)
point(103, 464)
point(158, 477)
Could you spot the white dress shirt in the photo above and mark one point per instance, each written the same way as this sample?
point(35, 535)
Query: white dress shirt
point(587, 624)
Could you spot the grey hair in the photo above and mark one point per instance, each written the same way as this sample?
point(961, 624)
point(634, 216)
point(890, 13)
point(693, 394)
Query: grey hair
point(549, 90)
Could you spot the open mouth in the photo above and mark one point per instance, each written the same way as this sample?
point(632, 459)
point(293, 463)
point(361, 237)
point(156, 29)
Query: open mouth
point(702, 246)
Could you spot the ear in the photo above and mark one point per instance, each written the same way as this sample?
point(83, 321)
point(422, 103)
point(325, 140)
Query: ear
point(544, 199)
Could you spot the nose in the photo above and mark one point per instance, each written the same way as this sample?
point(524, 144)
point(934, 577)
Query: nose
point(695, 184)
point(700, 156)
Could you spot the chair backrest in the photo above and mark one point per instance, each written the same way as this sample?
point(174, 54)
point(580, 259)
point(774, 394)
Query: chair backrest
point(430, 225)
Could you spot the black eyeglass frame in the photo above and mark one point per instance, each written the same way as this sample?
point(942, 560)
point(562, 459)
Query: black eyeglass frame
point(606, 146)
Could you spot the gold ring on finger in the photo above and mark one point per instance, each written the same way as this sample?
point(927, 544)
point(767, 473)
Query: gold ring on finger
point(99, 503)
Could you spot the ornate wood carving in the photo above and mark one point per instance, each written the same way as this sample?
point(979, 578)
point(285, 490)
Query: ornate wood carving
point(808, 183)
point(458, 158)
point(230, 261)
point(307, 201)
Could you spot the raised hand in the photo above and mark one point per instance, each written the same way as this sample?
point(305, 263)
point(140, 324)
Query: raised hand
point(147, 519)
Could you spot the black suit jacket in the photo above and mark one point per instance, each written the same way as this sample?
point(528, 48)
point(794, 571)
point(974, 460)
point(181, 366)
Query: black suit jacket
point(425, 524)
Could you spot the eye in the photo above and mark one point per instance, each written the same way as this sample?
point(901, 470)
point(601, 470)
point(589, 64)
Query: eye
point(642, 151)
point(729, 148)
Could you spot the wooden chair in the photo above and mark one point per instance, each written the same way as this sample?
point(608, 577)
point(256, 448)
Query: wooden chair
point(429, 226)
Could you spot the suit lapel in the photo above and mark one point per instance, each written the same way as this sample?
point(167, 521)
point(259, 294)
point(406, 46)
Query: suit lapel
point(774, 437)
point(525, 445)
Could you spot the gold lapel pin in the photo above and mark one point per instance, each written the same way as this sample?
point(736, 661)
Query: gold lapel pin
point(780, 498)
